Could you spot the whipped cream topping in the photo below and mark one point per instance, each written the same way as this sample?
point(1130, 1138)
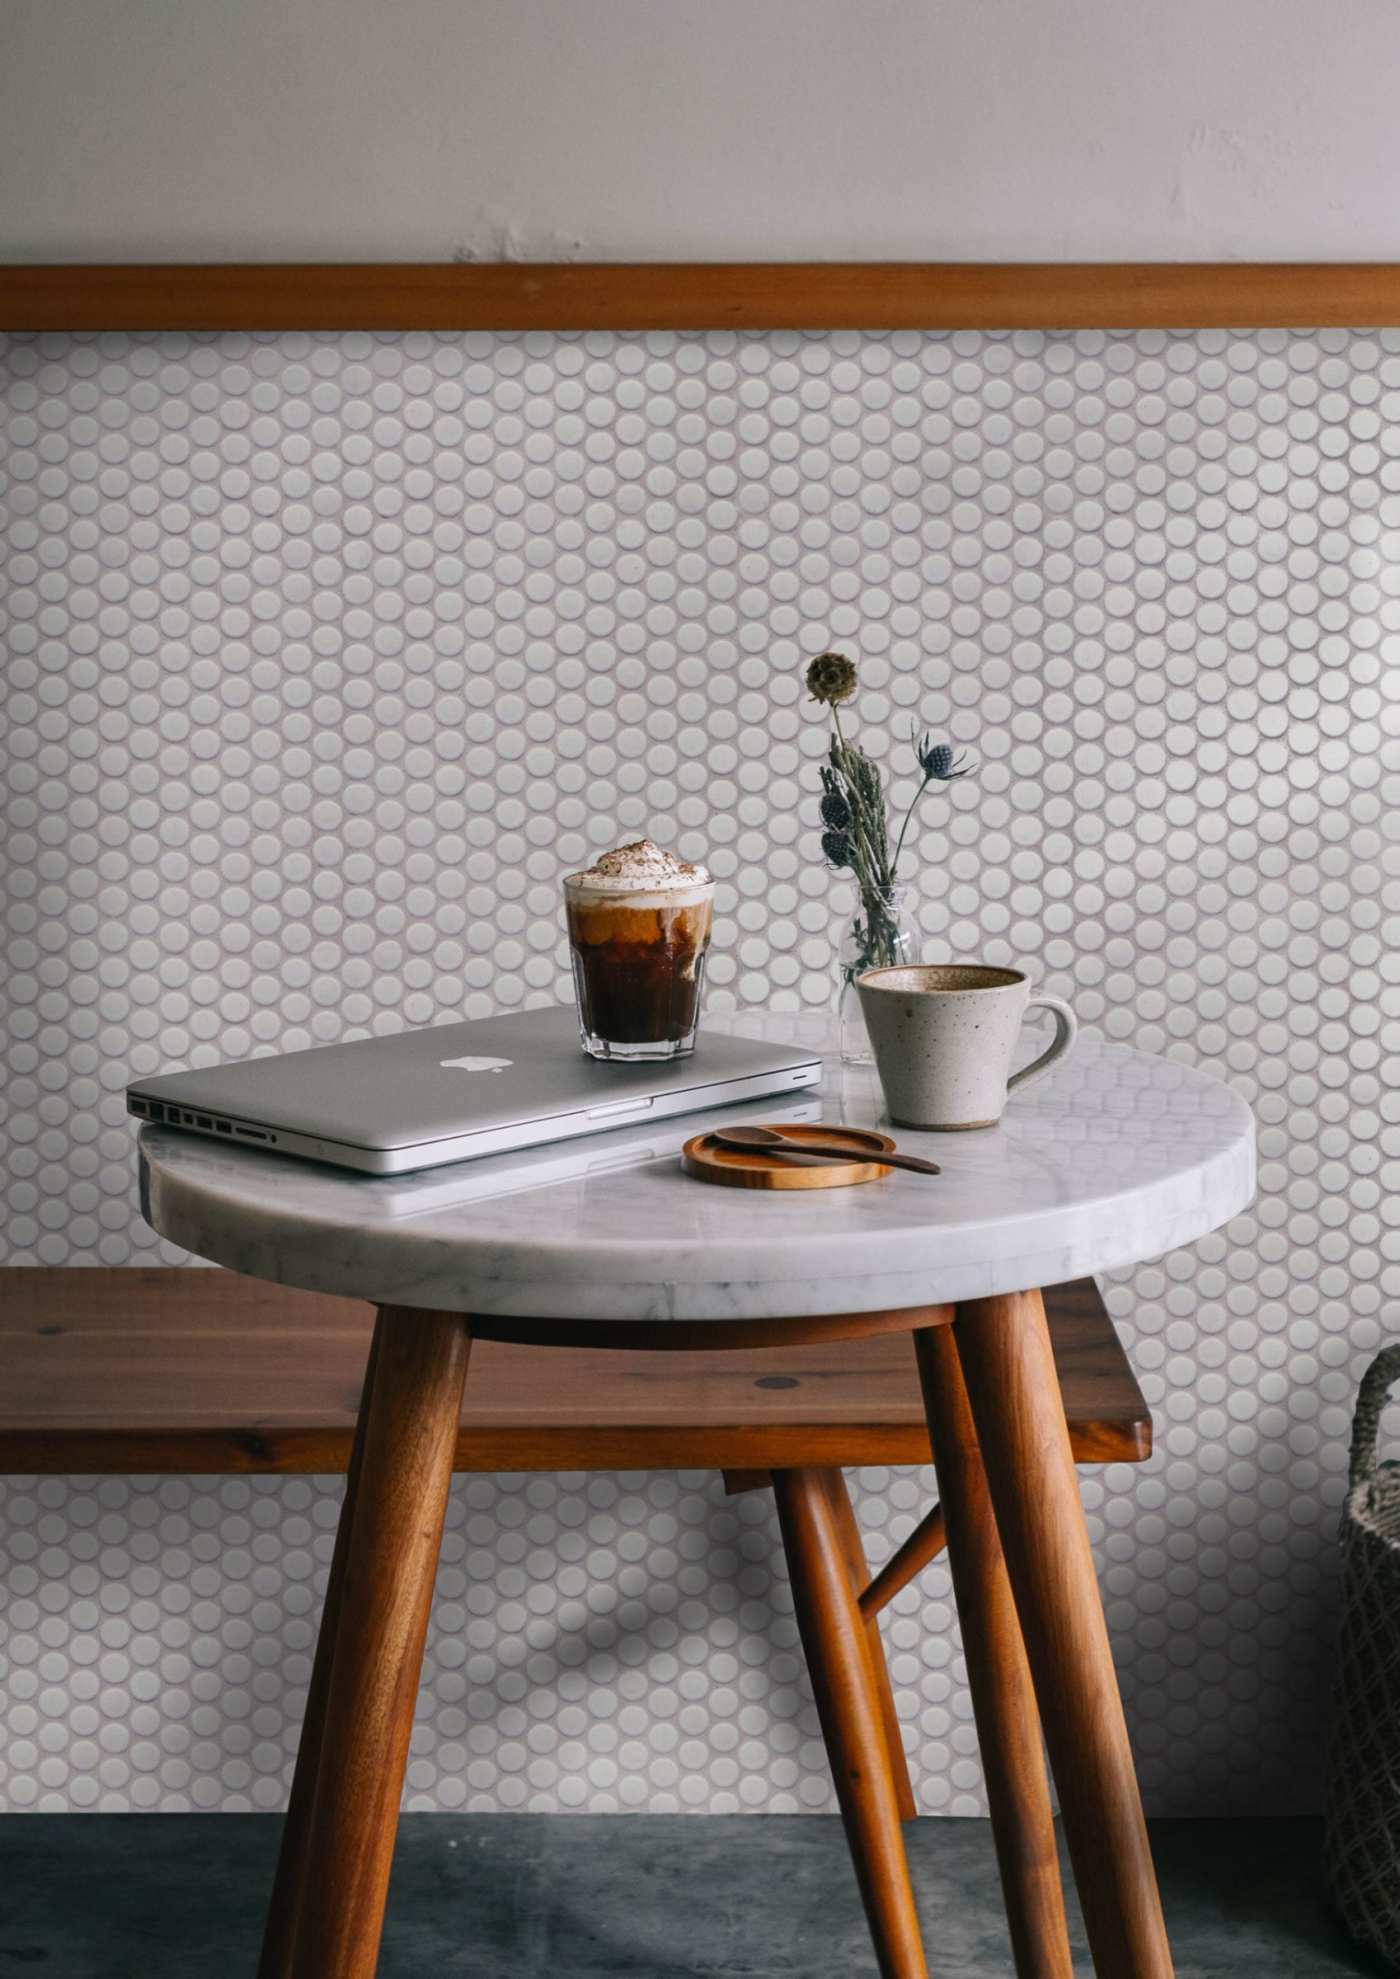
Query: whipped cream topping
point(642, 867)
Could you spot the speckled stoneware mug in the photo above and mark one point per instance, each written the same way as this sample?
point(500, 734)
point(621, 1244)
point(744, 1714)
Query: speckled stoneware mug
point(944, 1034)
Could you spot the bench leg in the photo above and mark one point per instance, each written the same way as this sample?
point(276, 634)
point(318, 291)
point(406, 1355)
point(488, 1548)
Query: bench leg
point(408, 1443)
point(1003, 1701)
point(1003, 1345)
point(843, 1677)
point(284, 1909)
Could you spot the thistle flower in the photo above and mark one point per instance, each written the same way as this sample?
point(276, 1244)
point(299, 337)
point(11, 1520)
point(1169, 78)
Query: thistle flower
point(836, 848)
point(836, 812)
point(937, 761)
point(831, 678)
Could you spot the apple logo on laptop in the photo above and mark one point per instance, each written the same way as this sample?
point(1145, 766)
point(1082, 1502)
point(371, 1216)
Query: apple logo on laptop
point(473, 1063)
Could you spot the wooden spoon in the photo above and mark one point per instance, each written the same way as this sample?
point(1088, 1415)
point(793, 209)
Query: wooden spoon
point(748, 1138)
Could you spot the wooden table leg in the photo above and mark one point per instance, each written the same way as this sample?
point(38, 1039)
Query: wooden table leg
point(409, 1441)
point(1004, 1348)
point(853, 1546)
point(838, 1658)
point(1003, 1701)
point(284, 1909)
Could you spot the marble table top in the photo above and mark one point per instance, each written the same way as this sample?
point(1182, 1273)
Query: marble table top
point(1113, 1158)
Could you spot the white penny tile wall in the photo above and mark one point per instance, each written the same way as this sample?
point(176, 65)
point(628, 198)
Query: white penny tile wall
point(327, 656)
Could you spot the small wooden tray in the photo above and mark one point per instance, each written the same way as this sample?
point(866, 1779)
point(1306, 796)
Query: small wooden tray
point(755, 1170)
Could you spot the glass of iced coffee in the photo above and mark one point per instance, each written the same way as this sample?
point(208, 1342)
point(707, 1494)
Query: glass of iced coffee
point(639, 926)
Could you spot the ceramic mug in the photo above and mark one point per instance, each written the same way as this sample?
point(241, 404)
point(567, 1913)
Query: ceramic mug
point(944, 1035)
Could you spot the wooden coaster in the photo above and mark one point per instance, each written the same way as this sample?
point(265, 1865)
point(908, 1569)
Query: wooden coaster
point(752, 1169)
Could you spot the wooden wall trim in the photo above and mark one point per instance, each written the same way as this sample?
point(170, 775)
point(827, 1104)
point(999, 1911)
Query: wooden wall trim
point(700, 296)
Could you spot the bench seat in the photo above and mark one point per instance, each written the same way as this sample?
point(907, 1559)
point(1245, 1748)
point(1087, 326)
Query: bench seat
point(172, 1370)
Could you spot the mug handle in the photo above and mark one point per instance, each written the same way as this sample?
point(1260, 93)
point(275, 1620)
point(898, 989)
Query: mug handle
point(1066, 1030)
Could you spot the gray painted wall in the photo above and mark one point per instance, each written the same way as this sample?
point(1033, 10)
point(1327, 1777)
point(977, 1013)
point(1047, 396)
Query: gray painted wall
point(632, 128)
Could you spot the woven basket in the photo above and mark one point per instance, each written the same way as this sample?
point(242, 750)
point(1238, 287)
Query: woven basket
point(1362, 1855)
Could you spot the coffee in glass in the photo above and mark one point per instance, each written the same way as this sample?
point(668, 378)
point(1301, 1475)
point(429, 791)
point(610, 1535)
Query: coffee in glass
point(639, 927)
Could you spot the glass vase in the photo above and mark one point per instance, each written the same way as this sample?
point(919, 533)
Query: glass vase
point(882, 933)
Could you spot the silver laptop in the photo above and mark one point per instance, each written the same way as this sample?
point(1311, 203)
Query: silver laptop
point(432, 1191)
point(450, 1092)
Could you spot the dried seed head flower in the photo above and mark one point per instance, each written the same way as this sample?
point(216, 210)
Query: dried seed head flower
point(831, 678)
point(836, 812)
point(836, 849)
point(938, 763)
point(856, 834)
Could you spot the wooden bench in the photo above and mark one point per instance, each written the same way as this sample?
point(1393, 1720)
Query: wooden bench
point(172, 1371)
point(161, 1371)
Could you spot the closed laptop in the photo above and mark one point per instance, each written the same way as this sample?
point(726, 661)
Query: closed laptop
point(451, 1092)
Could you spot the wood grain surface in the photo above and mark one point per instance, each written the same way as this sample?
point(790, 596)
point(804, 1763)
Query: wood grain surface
point(380, 1624)
point(853, 1546)
point(285, 1906)
point(168, 1370)
point(998, 1675)
point(786, 295)
point(751, 1168)
point(1004, 1349)
point(844, 1683)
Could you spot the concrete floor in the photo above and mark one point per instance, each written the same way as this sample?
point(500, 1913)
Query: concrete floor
point(148, 1896)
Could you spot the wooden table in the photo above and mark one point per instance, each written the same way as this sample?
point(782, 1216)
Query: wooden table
point(167, 1372)
point(1114, 1156)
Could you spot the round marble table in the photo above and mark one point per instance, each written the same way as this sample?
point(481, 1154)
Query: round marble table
point(1113, 1158)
